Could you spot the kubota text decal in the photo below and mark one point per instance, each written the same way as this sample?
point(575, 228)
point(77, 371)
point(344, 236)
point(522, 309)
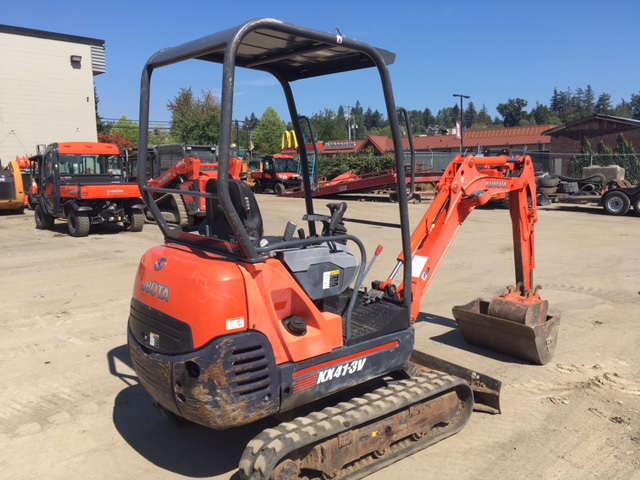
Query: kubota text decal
point(155, 289)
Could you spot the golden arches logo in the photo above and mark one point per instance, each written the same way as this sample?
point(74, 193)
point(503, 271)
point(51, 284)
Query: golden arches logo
point(289, 139)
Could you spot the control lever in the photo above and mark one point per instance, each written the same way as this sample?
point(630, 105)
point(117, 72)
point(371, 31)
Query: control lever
point(337, 212)
point(289, 230)
point(375, 255)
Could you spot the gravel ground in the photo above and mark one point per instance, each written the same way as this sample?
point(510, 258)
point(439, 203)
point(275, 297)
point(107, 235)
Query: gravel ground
point(71, 406)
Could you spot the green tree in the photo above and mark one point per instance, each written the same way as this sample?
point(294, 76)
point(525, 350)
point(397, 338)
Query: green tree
point(557, 102)
point(417, 125)
point(447, 117)
point(251, 122)
point(483, 120)
point(589, 101)
point(343, 123)
point(428, 119)
point(161, 136)
point(100, 125)
point(268, 136)
point(328, 126)
point(372, 120)
point(512, 112)
point(358, 121)
point(586, 158)
point(195, 120)
point(126, 128)
point(635, 106)
point(625, 156)
point(603, 105)
point(470, 115)
point(623, 109)
point(542, 115)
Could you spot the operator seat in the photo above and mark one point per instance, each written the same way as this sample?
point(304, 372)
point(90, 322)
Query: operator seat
point(217, 226)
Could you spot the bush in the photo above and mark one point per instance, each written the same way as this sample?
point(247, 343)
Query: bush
point(359, 164)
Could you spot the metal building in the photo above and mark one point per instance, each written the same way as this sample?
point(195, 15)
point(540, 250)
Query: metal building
point(46, 89)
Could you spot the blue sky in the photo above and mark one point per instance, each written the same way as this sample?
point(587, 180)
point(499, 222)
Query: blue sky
point(492, 50)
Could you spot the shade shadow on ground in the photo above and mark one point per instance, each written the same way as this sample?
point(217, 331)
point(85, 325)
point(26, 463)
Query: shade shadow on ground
point(190, 450)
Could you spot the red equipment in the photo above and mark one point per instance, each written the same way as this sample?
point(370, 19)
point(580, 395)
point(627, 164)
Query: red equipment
point(188, 175)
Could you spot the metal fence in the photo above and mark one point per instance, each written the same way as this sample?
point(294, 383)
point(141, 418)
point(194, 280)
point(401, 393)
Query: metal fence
point(438, 161)
point(563, 164)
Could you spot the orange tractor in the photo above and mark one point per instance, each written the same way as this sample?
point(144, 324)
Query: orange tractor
point(84, 184)
point(229, 325)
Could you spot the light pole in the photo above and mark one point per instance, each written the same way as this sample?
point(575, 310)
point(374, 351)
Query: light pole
point(461, 119)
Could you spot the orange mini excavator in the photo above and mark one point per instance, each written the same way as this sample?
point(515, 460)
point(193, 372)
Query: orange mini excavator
point(229, 326)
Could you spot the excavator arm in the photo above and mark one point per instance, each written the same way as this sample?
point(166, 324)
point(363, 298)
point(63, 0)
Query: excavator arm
point(464, 186)
point(191, 168)
point(470, 182)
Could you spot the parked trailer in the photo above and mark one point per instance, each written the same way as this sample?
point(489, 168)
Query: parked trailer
point(617, 198)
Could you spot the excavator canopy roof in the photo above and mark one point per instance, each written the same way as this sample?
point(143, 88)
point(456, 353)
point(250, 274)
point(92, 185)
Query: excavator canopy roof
point(287, 51)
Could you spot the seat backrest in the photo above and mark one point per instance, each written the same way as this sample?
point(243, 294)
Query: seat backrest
point(244, 201)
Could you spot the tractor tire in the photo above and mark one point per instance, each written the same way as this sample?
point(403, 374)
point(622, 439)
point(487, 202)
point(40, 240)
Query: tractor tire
point(636, 205)
point(44, 221)
point(135, 221)
point(278, 188)
point(616, 203)
point(548, 181)
point(567, 187)
point(258, 187)
point(78, 223)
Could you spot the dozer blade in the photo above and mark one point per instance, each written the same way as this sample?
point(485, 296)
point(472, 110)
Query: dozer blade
point(534, 342)
point(486, 390)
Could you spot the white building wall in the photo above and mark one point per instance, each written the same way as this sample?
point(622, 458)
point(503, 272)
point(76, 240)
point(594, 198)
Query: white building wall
point(43, 97)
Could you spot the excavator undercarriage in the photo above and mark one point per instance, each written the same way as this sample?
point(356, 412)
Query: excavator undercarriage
point(359, 436)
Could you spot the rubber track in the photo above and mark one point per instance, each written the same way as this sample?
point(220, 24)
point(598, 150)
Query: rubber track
point(266, 450)
point(181, 210)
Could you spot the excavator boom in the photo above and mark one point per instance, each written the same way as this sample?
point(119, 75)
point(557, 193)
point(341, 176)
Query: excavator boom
point(465, 185)
point(515, 322)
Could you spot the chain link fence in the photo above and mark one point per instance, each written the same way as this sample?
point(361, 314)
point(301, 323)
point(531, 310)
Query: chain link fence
point(572, 165)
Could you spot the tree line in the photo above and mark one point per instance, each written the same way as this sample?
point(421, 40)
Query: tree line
point(196, 120)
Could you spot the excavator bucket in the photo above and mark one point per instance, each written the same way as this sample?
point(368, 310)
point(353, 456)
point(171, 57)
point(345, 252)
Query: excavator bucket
point(511, 324)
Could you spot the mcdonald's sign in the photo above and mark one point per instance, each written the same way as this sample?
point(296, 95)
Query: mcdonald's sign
point(289, 139)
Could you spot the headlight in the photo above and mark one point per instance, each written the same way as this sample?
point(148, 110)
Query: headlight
point(284, 177)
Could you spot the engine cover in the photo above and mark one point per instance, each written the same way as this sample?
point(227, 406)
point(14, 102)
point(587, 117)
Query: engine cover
point(322, 271)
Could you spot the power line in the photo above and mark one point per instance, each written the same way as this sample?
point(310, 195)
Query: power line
point(151, 122)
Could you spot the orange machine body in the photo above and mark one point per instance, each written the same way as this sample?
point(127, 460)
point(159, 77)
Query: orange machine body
point(218, 297)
